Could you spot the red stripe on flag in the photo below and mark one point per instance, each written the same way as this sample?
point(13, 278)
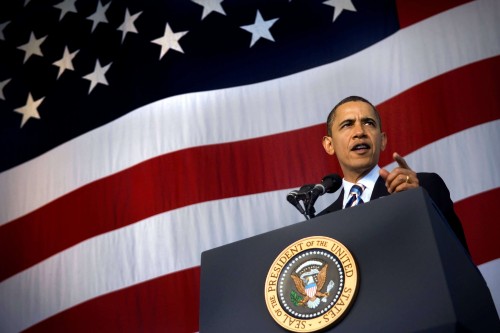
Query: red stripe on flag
point(413, 11)
point(442, 106)
point(480, 225)
point(194, 175)
point(166, 304)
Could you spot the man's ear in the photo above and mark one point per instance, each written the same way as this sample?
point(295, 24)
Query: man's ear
point(384, 141)
point(328, 145)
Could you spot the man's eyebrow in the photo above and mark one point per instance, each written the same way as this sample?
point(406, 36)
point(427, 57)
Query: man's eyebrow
point(347, 120)
point(352, 120)
point(369, 118)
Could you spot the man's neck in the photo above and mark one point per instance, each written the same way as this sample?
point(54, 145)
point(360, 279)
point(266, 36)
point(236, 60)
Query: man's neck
point(357, 176)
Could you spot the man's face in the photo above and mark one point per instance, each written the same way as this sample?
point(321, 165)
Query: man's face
point(356, 139)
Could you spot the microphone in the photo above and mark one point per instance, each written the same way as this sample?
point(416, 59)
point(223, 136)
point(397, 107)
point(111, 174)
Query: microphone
point(329, 184)
point(304, 191)
point(295, 196)
point(292, 198)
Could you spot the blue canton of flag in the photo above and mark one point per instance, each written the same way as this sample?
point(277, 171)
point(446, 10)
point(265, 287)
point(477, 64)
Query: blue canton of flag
point(75, 65)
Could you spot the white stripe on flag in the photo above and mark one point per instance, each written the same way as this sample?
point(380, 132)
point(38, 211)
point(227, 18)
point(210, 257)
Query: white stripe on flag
point(491, 273)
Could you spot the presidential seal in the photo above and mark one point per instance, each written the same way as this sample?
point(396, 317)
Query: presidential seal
point(311, 284)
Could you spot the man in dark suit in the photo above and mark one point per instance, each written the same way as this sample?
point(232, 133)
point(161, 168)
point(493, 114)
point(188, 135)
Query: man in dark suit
point(355, 136)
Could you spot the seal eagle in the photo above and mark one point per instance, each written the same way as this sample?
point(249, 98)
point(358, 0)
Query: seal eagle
point(307, 286)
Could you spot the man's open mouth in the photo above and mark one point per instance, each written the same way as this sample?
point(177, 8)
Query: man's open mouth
point(361, 146)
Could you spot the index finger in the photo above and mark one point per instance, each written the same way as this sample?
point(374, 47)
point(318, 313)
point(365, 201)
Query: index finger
point(401, 161)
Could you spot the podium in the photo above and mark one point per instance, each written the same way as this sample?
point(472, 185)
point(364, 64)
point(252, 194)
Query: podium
point(414, 275)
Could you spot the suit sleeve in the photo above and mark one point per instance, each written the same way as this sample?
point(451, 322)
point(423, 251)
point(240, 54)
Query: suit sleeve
point(439, 193)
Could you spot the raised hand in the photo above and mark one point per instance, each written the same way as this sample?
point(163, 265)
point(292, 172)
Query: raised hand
point(402, 178)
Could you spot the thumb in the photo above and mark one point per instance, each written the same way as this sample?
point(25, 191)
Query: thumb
point(401, 161)
point(384, 174)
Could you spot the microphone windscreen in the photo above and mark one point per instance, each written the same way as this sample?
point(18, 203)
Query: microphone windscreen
point(331, 182)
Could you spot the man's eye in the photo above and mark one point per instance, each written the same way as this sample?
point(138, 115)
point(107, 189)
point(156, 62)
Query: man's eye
point(370, 122)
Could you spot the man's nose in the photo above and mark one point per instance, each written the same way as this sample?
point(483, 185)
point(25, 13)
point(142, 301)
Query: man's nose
point(359, 130)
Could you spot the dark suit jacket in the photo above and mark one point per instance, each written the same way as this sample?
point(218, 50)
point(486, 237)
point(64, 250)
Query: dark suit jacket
point(435, 187)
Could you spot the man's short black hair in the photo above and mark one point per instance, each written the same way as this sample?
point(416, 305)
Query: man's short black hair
point(331, 115)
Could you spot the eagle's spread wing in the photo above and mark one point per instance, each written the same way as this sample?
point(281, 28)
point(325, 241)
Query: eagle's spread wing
point(322, 277)
point(298, 284)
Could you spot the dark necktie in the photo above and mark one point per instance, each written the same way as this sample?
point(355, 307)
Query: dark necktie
point(355, 195)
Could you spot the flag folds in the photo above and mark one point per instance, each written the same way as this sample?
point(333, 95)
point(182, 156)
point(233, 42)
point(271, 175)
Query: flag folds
point(135, 135)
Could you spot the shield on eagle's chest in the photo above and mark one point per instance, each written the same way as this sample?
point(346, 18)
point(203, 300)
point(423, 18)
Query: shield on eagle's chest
point(311, 290)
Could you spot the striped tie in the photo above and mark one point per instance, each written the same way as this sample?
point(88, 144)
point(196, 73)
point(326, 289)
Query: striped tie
point(355, 195)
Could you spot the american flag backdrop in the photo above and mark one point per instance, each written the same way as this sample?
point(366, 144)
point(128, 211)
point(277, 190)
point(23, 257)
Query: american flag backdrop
point(137, 134)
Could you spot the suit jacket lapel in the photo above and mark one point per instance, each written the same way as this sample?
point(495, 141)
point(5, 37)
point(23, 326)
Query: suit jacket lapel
point(337, 205)
point(379, 190)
